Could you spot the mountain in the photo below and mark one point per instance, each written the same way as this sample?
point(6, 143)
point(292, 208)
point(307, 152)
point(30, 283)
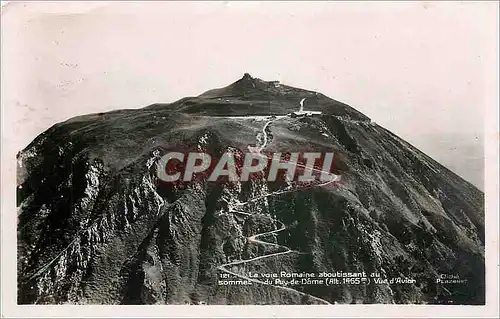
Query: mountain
point(97, 226)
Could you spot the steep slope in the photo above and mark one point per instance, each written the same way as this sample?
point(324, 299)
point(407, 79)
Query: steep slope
point(97, 226)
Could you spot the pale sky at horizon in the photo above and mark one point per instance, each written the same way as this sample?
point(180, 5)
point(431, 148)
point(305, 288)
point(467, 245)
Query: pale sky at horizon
point(417, 68)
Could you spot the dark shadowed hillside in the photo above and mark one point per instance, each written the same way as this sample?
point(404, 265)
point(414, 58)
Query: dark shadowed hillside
point(96, 225)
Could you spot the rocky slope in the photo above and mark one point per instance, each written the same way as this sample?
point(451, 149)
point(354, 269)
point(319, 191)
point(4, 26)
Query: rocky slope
point(96, 226)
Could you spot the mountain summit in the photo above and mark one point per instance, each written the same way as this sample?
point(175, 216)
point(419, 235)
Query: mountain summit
point(97, 226)
point(254, 96)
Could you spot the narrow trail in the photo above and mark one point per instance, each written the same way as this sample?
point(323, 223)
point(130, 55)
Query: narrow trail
point(254, 239)
point(302, 105)
point(265, 141)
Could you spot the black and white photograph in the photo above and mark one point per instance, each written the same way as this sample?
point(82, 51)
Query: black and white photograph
point(253, 153)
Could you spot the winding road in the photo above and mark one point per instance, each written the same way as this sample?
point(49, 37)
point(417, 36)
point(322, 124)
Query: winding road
point(254, 239)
